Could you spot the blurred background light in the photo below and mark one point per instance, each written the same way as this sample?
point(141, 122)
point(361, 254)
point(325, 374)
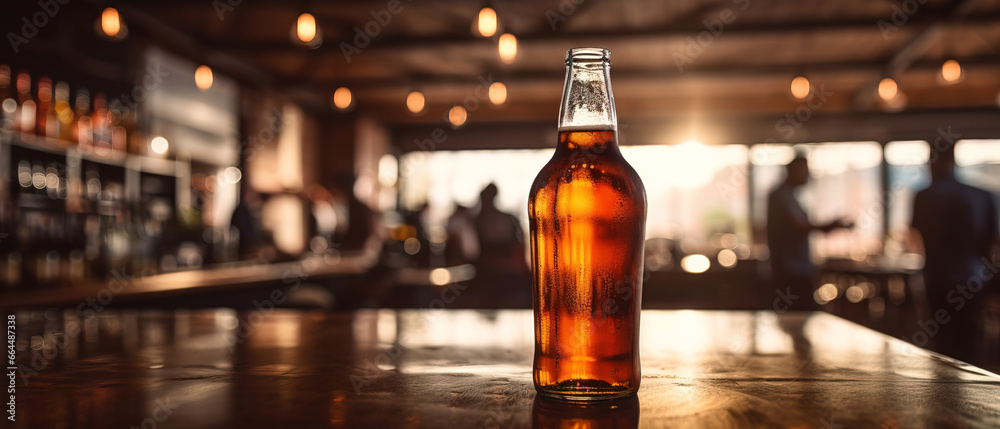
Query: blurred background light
point(342, 98)
point(800, 87)
point(507, 46)
point(487, 22)
point(887, 89)
point(498, 93)
point(951, 71)
point(111, 23)
point(415, 102)
point(695, 263)
point(457, 116)
point(203, 77)
point(159, 145)
point(305, 27)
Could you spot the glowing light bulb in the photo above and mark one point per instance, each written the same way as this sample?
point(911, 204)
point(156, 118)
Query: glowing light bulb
point(800, 87)
point(203, 77)
point(305, 27)
point(951, 71)
point(415, 102)
point(342, 98)
point(887, 89)
point(727, 258)
point(507, 46)
point(111, 23)
point(498, 93)
point(440, 276)
point(457, 116)
point(159, 145)
point(695, 264)
point(487, 22)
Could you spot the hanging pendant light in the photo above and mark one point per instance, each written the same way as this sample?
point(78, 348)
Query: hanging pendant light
point(800, 87)
point(487, 24)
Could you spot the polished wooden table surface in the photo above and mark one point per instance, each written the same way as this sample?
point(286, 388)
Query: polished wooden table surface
point(471, 369)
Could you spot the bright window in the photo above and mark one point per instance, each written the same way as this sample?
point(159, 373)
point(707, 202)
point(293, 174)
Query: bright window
point(845, 184)
point(693, 191)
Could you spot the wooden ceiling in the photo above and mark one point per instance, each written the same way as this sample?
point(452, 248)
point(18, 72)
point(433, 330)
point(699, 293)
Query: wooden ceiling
point(745, 70)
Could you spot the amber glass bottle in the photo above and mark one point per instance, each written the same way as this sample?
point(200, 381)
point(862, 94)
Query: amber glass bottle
point(587, 212)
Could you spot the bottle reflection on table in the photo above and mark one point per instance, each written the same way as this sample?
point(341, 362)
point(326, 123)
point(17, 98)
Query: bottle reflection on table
point(613, 414)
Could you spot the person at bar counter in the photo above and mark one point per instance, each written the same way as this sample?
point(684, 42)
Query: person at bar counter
point(956, 225)
point(788, 229)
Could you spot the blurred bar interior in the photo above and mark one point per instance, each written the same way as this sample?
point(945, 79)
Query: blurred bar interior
point(195, 154)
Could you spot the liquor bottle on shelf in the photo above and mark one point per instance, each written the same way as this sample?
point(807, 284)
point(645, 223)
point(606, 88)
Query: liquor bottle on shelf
point(47, 257)
point(45, 111)
point(118, 135)
point(25, 115)
point(38, 178)
point(8, 101)
point(64, 113)
point(83, 127)
point(135, 138)
point(24, 173)
point(92, 186)
point(101, 122)
point(11, 261)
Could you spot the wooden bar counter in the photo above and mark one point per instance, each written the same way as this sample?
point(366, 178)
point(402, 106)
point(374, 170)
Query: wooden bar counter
point(275, 368)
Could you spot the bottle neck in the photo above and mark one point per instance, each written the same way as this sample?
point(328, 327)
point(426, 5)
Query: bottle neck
point(588, 103)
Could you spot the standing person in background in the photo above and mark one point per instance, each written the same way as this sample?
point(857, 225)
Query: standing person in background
point(788, 229)
point(461, 247)
point(360, 230)
point(246, 219)
point(956, 225)
point(323, 218)
point(501, 263)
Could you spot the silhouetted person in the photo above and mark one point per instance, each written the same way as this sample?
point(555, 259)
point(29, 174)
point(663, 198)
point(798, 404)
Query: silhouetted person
point(323, 217)
point(247, 220)
point(957, 225)
point(461, 245)
point(360, 229)
point(788, 229)
point(501, 263)
point(418, 220)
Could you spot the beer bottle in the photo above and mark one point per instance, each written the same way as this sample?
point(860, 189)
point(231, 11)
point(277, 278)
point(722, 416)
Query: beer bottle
point(46, 112)
point(587, 212)
point(8, 102)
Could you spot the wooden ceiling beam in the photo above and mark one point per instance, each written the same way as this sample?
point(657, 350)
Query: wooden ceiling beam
point(544, 35)
point(726, 129)
point(712, 72)
point(911, 51)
